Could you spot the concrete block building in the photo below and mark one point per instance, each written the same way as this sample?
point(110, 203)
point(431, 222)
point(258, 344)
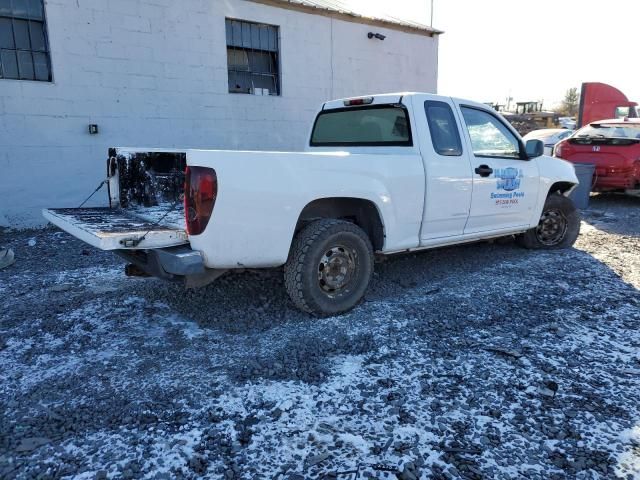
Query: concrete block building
point(79, 76)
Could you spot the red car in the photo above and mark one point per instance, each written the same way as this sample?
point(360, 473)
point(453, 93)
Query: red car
point(613, 146)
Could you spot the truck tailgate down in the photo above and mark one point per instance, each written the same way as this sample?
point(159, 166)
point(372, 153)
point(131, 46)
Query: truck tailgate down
point(115, 229)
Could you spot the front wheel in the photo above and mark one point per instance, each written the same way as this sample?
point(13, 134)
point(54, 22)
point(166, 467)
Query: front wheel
point(329, 267)
point(559, 225)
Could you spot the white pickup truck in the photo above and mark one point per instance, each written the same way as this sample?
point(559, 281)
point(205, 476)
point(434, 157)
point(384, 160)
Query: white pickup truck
point(381, 174)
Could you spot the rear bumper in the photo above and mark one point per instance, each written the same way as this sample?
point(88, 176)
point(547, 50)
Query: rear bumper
point(615, 182)
point(167, 263)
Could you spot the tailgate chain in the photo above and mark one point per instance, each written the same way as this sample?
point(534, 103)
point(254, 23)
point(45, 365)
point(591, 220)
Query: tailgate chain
point(134, 242)
point(102, 184)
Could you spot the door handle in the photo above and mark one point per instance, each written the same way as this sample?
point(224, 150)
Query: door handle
point(484, 170)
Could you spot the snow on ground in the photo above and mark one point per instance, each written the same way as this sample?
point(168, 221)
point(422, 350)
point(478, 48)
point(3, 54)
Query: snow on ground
point(480, 361)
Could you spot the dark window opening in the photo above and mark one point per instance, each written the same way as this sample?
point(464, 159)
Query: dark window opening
point(24, 49)
point(443, 128)
point(253, 55)
point(384, 125)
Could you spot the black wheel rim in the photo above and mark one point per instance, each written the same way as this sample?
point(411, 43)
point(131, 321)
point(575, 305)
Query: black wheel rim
point(336, 270)
point(552, 227)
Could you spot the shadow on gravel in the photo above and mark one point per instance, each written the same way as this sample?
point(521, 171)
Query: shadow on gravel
point(255, 301)
point(237, 303)
point(252, 302)
point(614, 213)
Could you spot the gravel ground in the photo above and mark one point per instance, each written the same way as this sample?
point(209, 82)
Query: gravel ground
point(480, 361)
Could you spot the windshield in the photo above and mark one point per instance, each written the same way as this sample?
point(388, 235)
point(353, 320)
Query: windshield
point(610, 131)
point(376, 125)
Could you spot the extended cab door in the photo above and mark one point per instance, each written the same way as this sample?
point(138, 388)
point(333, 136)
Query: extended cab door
point(448, 180)
point(505, 181)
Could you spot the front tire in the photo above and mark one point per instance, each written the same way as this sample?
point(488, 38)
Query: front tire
point(559, 225)
point(329, 267)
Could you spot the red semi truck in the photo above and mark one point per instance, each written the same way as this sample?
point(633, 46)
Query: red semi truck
point(608, 137)
point(599, 101)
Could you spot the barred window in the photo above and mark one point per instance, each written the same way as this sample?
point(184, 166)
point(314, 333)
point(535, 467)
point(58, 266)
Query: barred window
point(253, 53)
point(24, 50)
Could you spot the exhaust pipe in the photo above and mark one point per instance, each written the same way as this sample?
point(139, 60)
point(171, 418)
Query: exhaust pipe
point(132, 270)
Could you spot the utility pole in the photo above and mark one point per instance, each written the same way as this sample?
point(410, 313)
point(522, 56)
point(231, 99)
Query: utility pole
point(431, 24)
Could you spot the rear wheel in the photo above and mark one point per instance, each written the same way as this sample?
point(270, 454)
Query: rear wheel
point(559, 225)
point(329, 267)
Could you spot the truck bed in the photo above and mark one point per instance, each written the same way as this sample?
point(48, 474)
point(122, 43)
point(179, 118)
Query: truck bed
point(115, 229)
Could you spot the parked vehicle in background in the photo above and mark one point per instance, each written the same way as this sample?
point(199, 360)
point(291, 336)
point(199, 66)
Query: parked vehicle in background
point(530, 116)
point(568, 123)
point(382, 174)
point(549, 137)
point(613, 146)
point(599, 101)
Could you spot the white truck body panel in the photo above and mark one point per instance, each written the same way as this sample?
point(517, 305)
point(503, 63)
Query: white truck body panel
point(261, 196)
point(448, 181)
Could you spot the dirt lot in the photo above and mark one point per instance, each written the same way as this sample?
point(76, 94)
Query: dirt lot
point(482, 361)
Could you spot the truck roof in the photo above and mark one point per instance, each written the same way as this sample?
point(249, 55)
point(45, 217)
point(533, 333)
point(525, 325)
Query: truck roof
point(377, 99)
point(388, 98)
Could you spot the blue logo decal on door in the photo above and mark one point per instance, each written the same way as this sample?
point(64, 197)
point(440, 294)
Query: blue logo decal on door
point(508, 178)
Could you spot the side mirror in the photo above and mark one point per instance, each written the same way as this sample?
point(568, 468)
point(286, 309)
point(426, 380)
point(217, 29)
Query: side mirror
point(534, 148)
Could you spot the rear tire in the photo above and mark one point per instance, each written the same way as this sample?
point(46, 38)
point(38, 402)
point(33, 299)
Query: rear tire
point(329, 267)
point(559, 225)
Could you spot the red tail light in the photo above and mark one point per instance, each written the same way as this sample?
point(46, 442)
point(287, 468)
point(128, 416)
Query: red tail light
point(200, 192)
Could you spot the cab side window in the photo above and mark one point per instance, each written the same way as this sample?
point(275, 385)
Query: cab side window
point(489, 136)
point(443, 128)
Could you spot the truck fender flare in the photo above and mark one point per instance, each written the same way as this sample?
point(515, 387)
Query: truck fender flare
point(564, 188)
point(361, 211)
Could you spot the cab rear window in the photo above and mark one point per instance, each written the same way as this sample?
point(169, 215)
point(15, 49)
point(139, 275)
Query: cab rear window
point(375, 125)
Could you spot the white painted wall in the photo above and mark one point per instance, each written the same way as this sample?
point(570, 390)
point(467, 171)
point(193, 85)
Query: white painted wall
point(153, 73)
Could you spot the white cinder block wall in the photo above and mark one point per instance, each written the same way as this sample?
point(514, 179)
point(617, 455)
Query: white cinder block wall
point(153, 73)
